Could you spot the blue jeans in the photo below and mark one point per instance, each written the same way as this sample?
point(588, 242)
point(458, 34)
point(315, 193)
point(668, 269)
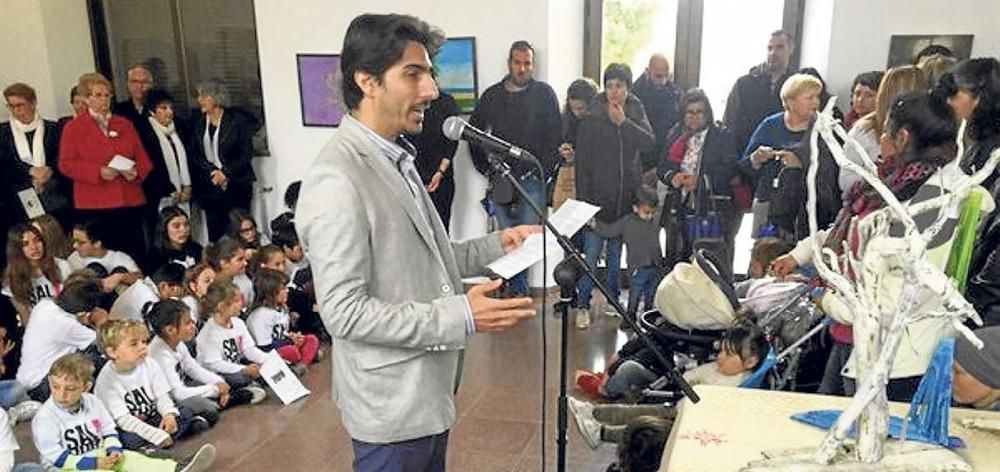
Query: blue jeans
point(643, 284)
point(593, 245)
point(426, 454)
point(520, 213)
point(12, 393)
point(629, 375)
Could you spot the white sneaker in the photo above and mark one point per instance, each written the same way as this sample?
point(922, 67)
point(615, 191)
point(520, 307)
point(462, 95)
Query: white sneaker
point(582, 318)
point(23, 411)
point(589, 428)
point(200, 461)
point(257, 394)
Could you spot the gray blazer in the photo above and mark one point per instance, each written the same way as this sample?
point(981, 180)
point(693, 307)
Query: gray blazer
point(389, 287)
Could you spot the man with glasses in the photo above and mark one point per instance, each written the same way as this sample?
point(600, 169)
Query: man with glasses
point(140, 81)
point(29, 153)
point(524, 112)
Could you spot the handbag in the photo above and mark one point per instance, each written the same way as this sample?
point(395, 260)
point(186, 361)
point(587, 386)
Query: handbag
point(704, 224)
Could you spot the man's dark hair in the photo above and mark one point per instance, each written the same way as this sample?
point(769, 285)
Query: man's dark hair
point(641, 446)
point(870, 79)
point(169, 273)
point(95, 231)
point(932, 50)
point(81, 292)
point(520, 45)
point(618, 71)
point(374, 43)
point(166, 313)
point(292, 194)
point(780, 32)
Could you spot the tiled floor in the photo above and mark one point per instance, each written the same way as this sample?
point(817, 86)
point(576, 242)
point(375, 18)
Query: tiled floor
point(499, 408)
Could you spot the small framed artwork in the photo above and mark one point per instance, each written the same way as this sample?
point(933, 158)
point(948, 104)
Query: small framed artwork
point(318, 83)
point(903, 48)
point(455, 64)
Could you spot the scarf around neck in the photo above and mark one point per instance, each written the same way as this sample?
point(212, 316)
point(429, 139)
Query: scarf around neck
point(174, 156)
point(903, 181)
point(34, 154)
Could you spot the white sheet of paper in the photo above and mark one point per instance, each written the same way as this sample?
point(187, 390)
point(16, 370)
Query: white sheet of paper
point(282, 380)
point(570, 217)
point(122, 163)
point(31, 203)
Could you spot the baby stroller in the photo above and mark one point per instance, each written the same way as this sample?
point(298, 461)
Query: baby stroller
point(696, 302)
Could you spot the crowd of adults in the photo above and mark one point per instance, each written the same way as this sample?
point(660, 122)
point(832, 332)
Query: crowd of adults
point(119, 176)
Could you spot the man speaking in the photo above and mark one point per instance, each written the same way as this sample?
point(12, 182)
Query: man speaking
point(388, 279)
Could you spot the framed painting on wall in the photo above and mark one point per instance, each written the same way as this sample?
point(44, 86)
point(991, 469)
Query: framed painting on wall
point(318, 89)
point(455, 65)
point(903, 48)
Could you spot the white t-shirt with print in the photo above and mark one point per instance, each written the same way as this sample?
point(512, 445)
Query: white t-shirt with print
point(51, 333)
point(110, 260)
point(268, 325)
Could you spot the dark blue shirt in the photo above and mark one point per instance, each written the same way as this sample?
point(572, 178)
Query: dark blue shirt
point(770, 132)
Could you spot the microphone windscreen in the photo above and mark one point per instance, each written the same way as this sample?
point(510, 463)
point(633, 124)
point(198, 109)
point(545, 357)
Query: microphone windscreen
point(453, 127)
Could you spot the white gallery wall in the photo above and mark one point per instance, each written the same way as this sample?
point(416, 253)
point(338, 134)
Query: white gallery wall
point(845, 37)
point(46, 44)
point(318, 26)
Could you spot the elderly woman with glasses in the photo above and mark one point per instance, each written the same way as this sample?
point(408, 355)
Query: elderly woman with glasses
point(223, 150)
point(103, 156)
point(29, 150)
point(698, 167)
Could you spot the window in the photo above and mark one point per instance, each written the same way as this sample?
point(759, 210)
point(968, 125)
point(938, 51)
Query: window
point(633, 30)
point(734, 39)
point(182, 42)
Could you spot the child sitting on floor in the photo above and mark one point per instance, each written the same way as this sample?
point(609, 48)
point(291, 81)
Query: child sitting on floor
point(224, 343)
point(269, 320)
point(191, 385)
point(74, 431)
point(229, 262)
point(136, 391)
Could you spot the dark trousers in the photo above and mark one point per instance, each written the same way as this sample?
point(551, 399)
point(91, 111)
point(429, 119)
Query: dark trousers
point(426, 454)
point(137, 443)
point(898, 390)
point(833, 382)
point(236, 195)
point(442, 198)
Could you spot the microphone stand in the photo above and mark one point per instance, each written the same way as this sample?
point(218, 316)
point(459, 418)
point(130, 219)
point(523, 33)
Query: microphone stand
point(568, 273)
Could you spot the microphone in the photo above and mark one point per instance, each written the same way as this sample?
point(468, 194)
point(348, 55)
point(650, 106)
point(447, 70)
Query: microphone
point(457, 129)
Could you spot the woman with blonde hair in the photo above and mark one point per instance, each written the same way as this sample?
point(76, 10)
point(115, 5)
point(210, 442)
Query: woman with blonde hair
point(775, 139)
point(103, 156)
point(868, 130)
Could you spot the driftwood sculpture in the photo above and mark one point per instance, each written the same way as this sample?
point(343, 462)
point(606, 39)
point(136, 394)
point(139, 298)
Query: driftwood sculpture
point(878, 330)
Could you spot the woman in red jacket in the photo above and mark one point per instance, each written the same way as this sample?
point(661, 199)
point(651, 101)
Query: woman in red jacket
point(103, 156)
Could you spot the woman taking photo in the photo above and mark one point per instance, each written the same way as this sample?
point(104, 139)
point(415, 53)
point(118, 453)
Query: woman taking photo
point(223, 138)
point(103, 156)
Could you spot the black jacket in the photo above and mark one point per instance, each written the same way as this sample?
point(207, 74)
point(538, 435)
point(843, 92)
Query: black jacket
point(157, 184)
point(718, 163)
point(528, 119)
point(984, 269)
point(661, 105)
point(607, 157)
point(235, 151)
point(432, 145)
point(55, 195)
point(750, 101)
point(788, 201)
